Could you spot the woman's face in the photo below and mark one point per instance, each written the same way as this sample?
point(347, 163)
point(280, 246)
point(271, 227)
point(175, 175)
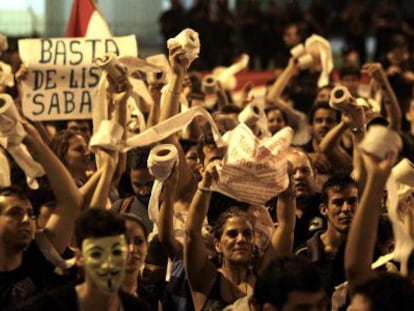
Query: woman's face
point(137, 246)
point(275, 121)
point(77, 156)
point(236, 242)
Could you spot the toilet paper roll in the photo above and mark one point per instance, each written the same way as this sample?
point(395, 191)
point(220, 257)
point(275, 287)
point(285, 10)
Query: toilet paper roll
point(110, 63)
point(209, 85)
point(403, 172)
point(321, 49)
point(298, 50)
point(161, 161)
point(250, 115)
point(108, 136)
point(157, 77)
point(305, 61)
point(161, 61)
point(339, 96)
point(11, 128)
point(189, 40)
point(380, 140)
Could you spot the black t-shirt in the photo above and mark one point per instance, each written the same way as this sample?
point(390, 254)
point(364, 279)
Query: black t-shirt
point(27, 280)
point(66, 299)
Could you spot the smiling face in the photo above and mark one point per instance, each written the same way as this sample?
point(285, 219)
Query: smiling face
point(17, 222)
point(236, 241)
point(341, 207)
point(105, 261)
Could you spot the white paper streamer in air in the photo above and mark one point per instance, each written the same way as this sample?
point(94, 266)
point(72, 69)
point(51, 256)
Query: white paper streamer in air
point(11, 136)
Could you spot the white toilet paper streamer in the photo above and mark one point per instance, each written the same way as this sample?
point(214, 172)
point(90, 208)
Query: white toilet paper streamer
point(325, 53)
point(298, 50)
point(30, 167)
point(227, 75)
point(249, 115)
point(108, 136)
point(11, 136)
point(11, 130)
point(164, 129)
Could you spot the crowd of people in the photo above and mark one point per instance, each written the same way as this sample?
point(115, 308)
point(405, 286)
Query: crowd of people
point(106, 229)
point(265, 29)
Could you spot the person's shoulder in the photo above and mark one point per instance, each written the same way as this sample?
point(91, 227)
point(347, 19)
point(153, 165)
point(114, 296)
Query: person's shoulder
point(306, 248)
point(133, 303)
point(61, 298)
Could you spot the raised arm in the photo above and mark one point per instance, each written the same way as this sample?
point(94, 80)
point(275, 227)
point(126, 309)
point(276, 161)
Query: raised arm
point(166, 217)
point(276, 90)
point(392, 107)
point(109, 161)
point(169, 108)
point(59, 228)
point(200, 271)
point(363, 232)
point(282, 238)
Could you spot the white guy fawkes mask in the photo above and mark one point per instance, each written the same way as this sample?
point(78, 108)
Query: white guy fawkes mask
point(105, 261)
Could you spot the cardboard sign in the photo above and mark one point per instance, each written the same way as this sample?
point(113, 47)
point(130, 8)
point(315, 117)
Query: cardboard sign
point(62, 80)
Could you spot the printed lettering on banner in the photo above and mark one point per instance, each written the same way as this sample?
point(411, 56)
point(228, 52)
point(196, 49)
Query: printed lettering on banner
point(254, 170)
point(62, 79)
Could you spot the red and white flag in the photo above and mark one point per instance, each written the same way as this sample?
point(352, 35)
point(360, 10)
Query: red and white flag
point(87, 21)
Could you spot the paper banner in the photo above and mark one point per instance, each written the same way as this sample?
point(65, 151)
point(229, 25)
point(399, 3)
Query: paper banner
point(62, 79)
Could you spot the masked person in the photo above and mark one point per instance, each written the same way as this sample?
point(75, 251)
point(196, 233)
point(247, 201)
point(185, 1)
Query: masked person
point(103, 255)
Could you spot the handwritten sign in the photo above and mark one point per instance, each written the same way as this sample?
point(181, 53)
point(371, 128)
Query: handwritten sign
point(62, 78)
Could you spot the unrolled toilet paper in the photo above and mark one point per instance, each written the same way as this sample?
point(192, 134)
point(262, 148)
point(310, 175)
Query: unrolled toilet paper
point(250, 115)
point(11, 129)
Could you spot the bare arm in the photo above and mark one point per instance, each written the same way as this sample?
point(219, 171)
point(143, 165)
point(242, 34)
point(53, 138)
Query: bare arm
point(282, 238)
point(392, 107)
point(169, 108)
point(166, 217)
point(109, 160)
point(363, 232)
point(59, 227)
point(154, 114)
point(282, 81)
point(200, 271)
